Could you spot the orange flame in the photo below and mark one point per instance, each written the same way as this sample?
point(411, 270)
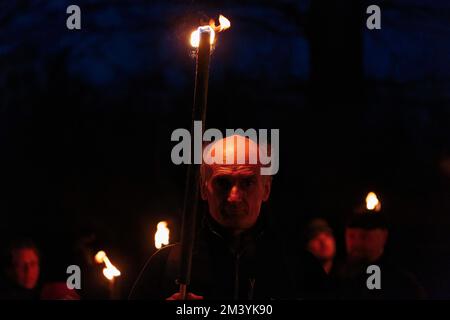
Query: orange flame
point(372, 202)
point(100, 256)
point(224, 24)
point(110, 271)
point(161, 235)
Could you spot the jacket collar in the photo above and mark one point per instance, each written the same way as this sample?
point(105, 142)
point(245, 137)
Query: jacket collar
point(236, 244)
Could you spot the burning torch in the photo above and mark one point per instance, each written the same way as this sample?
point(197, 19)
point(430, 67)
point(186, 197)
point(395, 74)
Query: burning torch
point(202, 39)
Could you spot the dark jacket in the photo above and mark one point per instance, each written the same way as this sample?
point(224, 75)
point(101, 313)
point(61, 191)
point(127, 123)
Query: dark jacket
point(11, 291)
point(396, 283)
point(255, 266)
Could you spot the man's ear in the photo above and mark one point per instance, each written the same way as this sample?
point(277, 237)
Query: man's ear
point(267, 180)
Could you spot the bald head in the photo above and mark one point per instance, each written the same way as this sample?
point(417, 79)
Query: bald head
point(232, 183)
point(235, 151)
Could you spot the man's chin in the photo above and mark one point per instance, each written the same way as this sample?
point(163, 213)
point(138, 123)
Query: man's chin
point(234, 214)
point(235, 221)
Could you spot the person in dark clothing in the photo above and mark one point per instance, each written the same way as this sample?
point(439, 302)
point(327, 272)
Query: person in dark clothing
point(236, 255)
point(22, 271)
point(366, 235)
point(254, 266)
point(321, 243)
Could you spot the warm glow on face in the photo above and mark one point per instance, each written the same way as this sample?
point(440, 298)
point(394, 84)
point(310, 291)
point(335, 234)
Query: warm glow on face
point(224, 24)
point(372, 202)
point(161, 235)
point(25, 267)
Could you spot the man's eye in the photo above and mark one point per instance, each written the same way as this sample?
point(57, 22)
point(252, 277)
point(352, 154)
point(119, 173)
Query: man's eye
point(248, 182)
point(222, 183)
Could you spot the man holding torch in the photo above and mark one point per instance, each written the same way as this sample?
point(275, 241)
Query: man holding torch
point(236, 254)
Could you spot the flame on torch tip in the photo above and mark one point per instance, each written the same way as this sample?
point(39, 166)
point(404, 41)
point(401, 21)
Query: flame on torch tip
point(161, 235)
point(195, 36)
point(372, 202)
point(161, 224)
point(110, 271)
point(100, 256)
point(224, 24)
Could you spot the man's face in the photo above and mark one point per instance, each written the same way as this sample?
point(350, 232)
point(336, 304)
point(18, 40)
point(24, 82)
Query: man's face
point(365, 245)
point(322, 246)
point(25, 267)
point(234, 194)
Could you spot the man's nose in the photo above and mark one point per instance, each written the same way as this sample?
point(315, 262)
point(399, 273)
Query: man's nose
point(235, 194)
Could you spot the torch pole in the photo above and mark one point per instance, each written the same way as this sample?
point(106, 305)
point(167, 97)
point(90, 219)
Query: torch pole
point(112, 291)
point(193, 175)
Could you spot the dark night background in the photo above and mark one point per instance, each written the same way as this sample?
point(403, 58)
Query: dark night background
point(86, 118)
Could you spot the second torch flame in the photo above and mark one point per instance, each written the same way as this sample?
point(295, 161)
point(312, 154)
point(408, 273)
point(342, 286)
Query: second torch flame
point(372, 202)
point(110, 271)
point(161, 235)
point(224, 24)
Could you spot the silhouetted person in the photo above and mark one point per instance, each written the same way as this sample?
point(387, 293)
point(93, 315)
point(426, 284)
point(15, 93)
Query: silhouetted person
point(22, 271)
point(366, 235)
